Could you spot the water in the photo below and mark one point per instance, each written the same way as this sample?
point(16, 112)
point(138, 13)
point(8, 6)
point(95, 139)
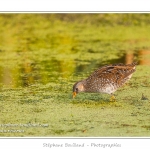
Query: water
point(40, 49)
point(43, 55)
point(42, 71)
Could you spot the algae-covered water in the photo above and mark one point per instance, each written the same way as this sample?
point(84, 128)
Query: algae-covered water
point(43, 55)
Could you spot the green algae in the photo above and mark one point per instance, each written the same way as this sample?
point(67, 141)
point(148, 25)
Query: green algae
point(43, 55)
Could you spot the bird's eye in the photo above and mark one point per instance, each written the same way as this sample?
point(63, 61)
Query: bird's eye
point(76, 89)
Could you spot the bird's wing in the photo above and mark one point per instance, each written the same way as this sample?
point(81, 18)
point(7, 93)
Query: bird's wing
point(116, 72)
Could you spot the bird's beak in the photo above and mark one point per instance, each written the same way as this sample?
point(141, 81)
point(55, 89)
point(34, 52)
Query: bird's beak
point(74, 94)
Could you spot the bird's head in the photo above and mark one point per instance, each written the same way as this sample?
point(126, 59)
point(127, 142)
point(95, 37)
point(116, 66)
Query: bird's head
point(78, 87)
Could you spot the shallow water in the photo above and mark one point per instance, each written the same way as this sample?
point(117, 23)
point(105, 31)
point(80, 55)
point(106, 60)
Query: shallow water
point(42, 56)
point(29, 71)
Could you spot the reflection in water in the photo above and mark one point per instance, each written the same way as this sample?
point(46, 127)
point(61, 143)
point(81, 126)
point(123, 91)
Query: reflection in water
point(129, 57)
point(29, 74)
point(144, 57)
point(50, 70)
point(140, 56)
point(7, 77)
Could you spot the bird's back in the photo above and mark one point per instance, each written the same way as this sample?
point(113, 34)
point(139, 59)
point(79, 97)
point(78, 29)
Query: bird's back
point(109, 78)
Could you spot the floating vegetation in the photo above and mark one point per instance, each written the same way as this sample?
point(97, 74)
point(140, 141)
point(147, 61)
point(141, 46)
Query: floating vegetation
point(43, 55)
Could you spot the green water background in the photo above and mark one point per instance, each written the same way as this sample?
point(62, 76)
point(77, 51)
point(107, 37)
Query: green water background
point(43, 55)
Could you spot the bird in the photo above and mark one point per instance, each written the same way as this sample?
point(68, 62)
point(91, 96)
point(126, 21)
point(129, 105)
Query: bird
point(106, 79)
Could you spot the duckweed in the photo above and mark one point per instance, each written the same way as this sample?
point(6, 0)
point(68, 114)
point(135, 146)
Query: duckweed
point(43, 55)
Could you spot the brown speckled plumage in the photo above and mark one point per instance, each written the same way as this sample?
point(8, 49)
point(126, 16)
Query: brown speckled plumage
point(106, 79)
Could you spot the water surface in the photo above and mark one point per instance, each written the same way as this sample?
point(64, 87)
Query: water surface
point(43, 55)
